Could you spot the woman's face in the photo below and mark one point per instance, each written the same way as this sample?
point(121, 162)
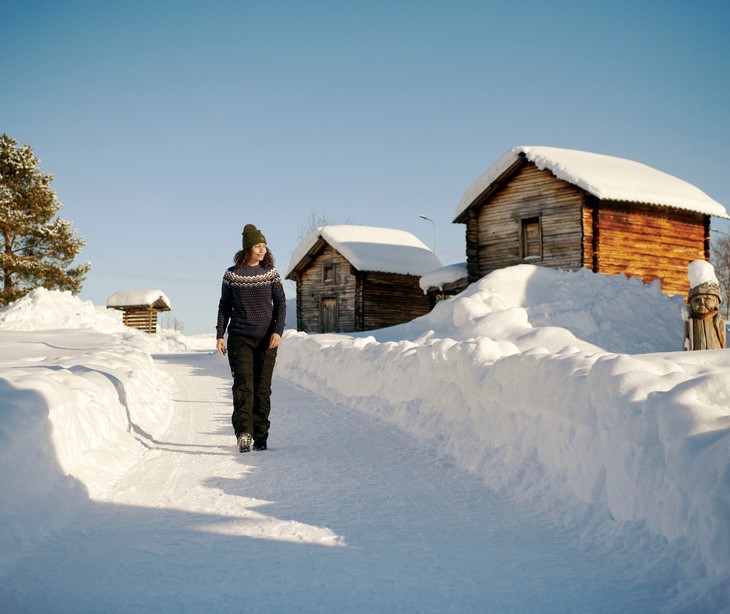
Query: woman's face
point(704, 305)
point(258, 252)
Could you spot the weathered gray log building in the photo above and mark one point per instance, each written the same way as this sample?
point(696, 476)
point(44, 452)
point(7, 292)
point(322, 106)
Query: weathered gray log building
point(357, 278)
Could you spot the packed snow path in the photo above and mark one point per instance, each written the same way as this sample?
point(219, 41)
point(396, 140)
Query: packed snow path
point(342, 513)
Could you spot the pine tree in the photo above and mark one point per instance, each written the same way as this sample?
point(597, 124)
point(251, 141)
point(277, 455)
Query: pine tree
point(37, 248)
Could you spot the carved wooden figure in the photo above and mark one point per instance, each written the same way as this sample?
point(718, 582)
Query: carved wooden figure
point(704, 328)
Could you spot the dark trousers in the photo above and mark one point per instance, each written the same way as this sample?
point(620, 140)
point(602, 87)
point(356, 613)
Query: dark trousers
point(252, 366)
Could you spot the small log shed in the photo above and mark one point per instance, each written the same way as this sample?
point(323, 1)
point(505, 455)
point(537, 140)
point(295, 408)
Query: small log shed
point(355, 278)
point(140, 307)
point(444, 283)
point(569, 209)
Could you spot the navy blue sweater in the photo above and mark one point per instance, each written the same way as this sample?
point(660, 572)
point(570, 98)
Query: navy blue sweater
point(252, 302)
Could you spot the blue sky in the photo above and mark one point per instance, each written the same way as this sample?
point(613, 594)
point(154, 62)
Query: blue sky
point(170, 125)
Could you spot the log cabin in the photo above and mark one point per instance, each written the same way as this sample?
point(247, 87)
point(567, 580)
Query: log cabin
point(444, 283)
point(139, 307)
point(569, 209)
point(355, 278)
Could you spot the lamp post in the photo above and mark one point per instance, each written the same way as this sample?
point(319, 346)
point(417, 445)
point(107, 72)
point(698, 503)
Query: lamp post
point(428, 219)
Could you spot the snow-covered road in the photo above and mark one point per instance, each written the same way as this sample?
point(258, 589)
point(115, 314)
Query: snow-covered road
point(342, 513)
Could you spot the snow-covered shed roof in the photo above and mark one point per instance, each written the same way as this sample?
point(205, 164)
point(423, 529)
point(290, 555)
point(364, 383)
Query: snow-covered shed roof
point(369, 248)
point(448, 274)
point(151, 298)
point(606, 177)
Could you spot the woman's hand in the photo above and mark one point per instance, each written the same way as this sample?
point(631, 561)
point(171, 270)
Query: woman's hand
point(275, 341)
point(220, 345)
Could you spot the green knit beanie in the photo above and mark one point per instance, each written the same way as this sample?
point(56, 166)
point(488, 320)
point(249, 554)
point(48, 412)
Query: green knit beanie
point(252, 236)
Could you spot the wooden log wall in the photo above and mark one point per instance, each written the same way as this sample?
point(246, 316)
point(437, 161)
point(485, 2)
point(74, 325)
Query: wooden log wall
point(141, 318)
point(390, 299)
point(311, 288)
point(472, 245)
point(649, 242)
point(447, 291)
point(496, 227)
point(643, 241)
point(590, 240)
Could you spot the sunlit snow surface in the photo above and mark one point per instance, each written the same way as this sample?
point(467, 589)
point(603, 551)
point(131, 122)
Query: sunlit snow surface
point(562, 395)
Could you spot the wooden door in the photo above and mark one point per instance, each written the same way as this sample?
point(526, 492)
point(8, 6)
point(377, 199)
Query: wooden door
point(328, 314)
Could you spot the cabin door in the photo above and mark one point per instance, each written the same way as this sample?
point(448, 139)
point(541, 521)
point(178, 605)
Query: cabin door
point(328, 314)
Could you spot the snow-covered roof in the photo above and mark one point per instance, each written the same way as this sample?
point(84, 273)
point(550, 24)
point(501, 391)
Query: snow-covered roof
point(370, 248)
point(445, 275)
point(606, 177)
point(139, 298)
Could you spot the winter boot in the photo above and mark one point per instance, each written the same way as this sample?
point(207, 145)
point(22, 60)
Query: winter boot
point(244, 442)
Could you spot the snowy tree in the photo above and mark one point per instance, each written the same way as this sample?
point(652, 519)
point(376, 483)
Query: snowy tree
point(37, 248)
point(721, 260)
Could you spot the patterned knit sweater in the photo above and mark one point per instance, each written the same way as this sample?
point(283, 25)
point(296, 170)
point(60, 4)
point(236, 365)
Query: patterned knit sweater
point(252, 302)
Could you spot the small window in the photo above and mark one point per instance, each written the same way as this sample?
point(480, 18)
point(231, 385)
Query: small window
point(531, 239)
point(328, 274)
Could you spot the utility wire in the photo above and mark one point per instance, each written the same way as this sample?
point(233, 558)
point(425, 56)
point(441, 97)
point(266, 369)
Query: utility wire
point(184, 280)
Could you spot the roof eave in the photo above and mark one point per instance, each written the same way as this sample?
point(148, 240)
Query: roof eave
point(658, 204)
point(493, 187)
point(312, 252)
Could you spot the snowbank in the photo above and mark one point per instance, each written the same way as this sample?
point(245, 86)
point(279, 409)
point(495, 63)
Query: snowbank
point(79, 397)
point(44, 309)
point(565, 391)
point(528, 380)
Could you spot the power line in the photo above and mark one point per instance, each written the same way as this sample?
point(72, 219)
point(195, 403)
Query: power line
point(183, 280)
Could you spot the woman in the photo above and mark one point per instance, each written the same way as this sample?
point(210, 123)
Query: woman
point(253, 309)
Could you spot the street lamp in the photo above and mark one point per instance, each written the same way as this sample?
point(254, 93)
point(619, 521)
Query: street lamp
point(428, 219)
